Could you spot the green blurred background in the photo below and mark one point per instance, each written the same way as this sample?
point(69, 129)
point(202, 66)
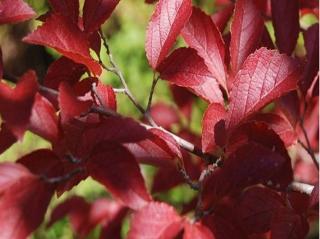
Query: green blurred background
point(126, 34)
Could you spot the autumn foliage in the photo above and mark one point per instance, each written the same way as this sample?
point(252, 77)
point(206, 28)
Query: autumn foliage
point(262, 104)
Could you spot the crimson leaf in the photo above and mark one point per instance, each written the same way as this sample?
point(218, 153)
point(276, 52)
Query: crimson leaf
point(202, 34)
point(165, 25)
point(16, 104)
point(23, 203)
point(13, 11)
point(116, 168)
point(67, 39)
point(156, 220)
point(185, 68)
point(266, 75)
point(69, 8)
point(197, 230)
point(96, 12)
point(246, 30)
point(285, 19)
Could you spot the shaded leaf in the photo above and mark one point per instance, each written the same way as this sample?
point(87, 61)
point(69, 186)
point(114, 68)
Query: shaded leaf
point(186, 69)
point(7, 138)
point(285, 20)
point(96, 12)
point(69, 9)
point(164, 115)
point(213, 127)
point(222, 17)
point(23, 203)
point(116, 168)
point(106, 96)
point(16, 104)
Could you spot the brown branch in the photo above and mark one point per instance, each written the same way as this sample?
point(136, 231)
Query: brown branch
point(153, 86)
point(308, 147)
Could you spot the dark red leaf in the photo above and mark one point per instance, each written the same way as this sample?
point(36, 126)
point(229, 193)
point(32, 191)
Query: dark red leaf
point(164, 115)
point(265, 76)
point(289, 105)
point(286, 224)
point(197, 230)
point(222, 17)
point(23, 203)
point(7, 138)
point(69, 9)
point(186, 69)
point(70, 105)
point(246, 30)
point(61, 70)
point(213, 127)
point(67, 39)
point(96, 12)
point(256, 207)
point(42, 162)
point(43, 120)
point(201, 34)
point(156, 220)
point(13, 11)
point(249, 165)
point(285, 19)
point(311, 42)
point(266, 40)
point(279, 125)
point(16, 104)
point(184, 100)
point(116, 168)
point(314, 198)
point(95, 42)
point(165, 25)
point(106, 96)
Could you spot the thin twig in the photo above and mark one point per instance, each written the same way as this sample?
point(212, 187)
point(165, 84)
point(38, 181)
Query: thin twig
point(308, 147)
point(62, 178)
point(193, 185)
point(153, 86)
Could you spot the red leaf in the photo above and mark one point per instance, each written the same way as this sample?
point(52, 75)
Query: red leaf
point(186, 69)
point(13, 11)
point(106, 96)
point(42, 162)
point(197, 230)
point(165, 25)
point(7, 138)
point(69, 9)
point(213, 127)
point(96, 12)
point(202, 34)
point(156, 220)
point(265, 76)
point(116, 168)
point(61, 70)
point(184, 100)
point(222, 17)
point(16, 104)
point(164, 115)
point(285, 19)
point(23, 203)
point(256, 208)
point(84, 216)
point(67, 39)
point(289, 105)
point(249, 165)
point(311, 39)
point(246, 30)
point(279, 125)
point(70, 105)
point(158, 149)
point(286, 224)
point(43, 120)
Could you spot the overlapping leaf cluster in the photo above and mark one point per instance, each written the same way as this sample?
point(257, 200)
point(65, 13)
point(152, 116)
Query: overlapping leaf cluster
point(245, 177)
